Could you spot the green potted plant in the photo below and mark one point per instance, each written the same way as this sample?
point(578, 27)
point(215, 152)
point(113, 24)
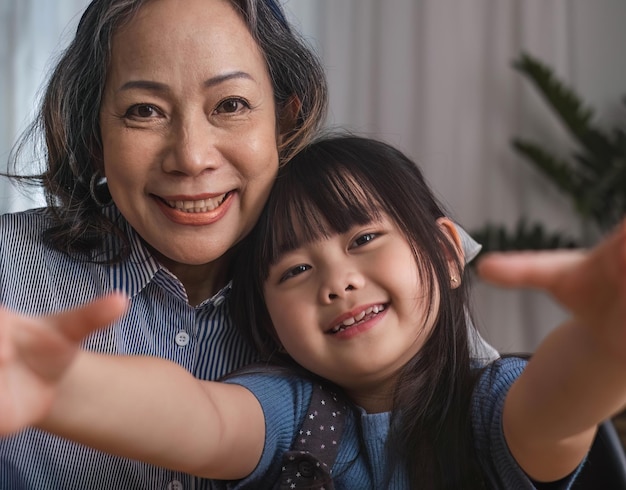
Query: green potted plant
point(593, 176)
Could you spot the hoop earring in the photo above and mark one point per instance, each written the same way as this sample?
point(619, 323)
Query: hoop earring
point(98, 179)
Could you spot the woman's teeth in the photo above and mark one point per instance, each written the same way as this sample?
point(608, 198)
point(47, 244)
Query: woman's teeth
point(349, 322)
point(200, 206)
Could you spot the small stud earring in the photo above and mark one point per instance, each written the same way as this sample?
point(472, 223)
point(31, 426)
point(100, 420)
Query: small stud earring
point(453, 279)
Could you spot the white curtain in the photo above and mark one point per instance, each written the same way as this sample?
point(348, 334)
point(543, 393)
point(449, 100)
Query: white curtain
point(32, 33)
point(432, 77)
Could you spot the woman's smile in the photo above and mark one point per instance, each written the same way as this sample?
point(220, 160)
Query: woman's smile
point(196, 213)
point(197, 206)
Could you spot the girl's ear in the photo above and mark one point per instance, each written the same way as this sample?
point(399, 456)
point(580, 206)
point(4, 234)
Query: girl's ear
point(288, 116)
point(455, 263)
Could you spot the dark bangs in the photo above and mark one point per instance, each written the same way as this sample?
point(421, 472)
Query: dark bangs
point(319, 194)
point(340, 182)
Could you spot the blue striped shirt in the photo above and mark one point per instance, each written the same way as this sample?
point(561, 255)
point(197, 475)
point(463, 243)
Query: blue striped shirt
point(35, 279)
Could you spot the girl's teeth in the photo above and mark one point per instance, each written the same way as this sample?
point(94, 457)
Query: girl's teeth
point(348, 322)
point(351, 321)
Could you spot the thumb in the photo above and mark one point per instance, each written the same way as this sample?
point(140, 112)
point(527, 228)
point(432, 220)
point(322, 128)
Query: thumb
point(536, 269)
point(79, 322)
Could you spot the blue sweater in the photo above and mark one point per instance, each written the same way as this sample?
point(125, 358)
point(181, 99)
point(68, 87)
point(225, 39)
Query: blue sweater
point(285, 401)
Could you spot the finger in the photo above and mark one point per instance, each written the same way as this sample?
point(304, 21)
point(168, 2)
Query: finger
point(538, 270)
point(79, 322)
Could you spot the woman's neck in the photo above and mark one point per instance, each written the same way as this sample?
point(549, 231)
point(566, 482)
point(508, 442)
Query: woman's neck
point(200, 281)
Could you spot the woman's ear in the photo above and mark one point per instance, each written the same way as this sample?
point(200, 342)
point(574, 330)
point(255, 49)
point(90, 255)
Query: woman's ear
point(288, 116)
point(455, 263)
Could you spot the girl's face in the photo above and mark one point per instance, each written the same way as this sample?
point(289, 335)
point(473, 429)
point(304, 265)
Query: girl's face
point(352, 308)
point(189, 129)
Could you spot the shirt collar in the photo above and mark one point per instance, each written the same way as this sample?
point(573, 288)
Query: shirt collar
point(135, 272)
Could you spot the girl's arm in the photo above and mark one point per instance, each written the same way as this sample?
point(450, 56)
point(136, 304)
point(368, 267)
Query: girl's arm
point(577, 376)
point(137, 407)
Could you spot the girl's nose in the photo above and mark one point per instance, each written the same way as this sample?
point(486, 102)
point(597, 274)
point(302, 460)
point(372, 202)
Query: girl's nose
point(349, 287)
point(338, 285)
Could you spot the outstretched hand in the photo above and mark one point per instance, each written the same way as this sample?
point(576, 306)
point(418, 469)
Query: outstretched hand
point(36, 352)
point(590, 284)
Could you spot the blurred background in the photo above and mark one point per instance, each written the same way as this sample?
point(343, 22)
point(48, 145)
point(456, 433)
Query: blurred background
point(435, 78)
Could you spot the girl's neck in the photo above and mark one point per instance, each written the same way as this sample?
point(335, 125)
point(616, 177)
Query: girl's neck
point(373, 399)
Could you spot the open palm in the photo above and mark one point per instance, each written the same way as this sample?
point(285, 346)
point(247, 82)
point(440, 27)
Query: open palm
point(35, 354)
point(591, 284)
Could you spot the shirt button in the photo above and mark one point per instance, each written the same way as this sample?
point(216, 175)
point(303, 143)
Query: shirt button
point(182, 339)
point(219, 300)
point(174, 485)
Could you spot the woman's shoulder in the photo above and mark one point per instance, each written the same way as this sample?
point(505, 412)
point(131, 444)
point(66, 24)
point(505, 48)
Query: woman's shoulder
point(25, 224)
point(42, 279)
point(22, 233)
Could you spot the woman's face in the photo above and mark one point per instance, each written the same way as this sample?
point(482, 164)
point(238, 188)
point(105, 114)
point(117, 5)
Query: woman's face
point(188, 128)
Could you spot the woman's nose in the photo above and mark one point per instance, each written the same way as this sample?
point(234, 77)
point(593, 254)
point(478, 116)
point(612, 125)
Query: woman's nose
point(194, 148)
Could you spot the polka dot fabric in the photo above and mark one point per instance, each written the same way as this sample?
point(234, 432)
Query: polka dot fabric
point(309, 463)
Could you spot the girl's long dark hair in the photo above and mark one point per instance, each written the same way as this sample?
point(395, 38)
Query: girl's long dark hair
point(333, 184)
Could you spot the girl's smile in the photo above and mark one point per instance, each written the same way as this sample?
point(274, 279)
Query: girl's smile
point(351, 323)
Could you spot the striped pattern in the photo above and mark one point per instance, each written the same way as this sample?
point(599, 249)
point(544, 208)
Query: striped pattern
point(37, 280)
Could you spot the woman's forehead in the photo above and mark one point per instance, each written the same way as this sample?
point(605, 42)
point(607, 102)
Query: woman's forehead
point(202, 37)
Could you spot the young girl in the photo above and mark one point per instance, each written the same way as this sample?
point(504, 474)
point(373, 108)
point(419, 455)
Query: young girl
point(357, 285)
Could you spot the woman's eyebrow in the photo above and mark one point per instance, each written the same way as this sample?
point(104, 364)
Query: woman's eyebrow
point(216, 80)
point(162, 87)
point(145, 85)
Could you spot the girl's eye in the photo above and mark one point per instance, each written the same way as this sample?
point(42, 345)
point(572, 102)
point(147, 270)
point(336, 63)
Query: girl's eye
point(294, 271)
point(142, 111)
point(232, 106)
point(363, 239)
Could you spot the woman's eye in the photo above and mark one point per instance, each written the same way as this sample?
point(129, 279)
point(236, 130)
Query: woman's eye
point(232, 106)
point(142, 111)
point(294, 271)
point(363, 239)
